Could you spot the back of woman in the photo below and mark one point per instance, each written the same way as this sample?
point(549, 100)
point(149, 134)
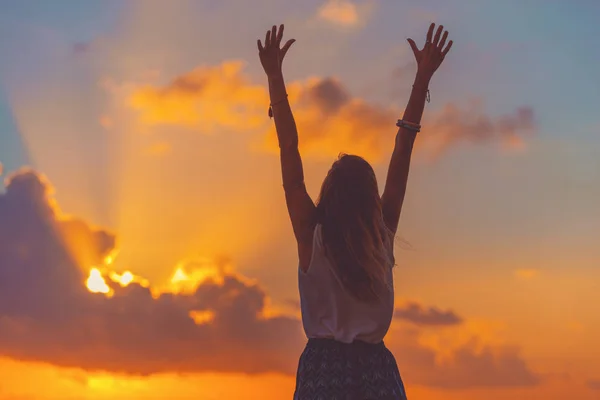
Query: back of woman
point(329, 310)
point(345, 335)
point(345, 244)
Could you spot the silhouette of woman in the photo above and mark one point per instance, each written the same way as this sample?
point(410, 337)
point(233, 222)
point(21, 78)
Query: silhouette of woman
point(345, 243)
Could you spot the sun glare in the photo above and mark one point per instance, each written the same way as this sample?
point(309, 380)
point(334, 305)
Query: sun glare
point(96, 283)
point(189, 274)
point(124, 279)
point(186, 278)
point(179, 276)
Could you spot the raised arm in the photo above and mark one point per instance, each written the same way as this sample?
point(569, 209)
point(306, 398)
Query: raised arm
point(301, 208)
point(428, 60)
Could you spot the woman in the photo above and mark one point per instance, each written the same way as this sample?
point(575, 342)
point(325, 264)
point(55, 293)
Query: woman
point(345, 243)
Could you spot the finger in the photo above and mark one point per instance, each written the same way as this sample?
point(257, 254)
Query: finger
point(268, 39)
point(279, 35)
point(436, 39)
point(286, 47)
point(413, 46)
point(447, 49)
point(430, 32)
point(443, 41)
point(273, 35)
point(260, 46)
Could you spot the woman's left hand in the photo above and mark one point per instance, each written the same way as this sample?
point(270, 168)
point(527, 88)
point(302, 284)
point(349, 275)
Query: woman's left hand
point(433, 53)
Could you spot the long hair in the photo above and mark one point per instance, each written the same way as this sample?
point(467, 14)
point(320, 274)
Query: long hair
point(355, 236)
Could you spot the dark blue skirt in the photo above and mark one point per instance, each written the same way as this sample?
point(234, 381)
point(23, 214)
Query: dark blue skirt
point(332, 370)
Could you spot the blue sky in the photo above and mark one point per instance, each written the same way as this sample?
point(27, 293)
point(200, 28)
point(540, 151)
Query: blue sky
point(539, 52)
point(509, 54)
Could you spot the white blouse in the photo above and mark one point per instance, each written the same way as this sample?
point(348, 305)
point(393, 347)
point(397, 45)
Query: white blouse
point(329, 311)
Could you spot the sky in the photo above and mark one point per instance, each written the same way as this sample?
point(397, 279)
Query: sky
point(145, 248)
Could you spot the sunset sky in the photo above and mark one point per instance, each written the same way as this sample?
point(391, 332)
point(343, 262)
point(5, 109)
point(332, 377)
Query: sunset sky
point(145, 248)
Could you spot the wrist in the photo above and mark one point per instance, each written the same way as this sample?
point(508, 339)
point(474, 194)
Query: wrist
point(422, 80)
point(275, 77)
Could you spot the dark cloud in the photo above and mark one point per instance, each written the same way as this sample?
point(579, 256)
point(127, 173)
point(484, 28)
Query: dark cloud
point(327, 94)
point(470, 366)
point(593, 384)
point(453, 124)
point(330, 120)
point(419, 315)
point(190, 84)
point(47, 314)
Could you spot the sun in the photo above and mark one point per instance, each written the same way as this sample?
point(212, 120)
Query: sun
point(96, 283)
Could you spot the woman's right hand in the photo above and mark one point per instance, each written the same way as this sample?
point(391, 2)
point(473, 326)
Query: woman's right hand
point(271, 55)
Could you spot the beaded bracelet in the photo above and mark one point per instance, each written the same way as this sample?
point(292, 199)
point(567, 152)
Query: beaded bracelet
point(411, 126)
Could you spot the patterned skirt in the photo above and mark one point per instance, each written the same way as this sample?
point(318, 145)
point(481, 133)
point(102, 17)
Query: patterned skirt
point(332, 370)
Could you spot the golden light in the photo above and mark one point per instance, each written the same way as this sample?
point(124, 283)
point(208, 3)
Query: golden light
point(108, 384)
point(124, 279)
point(96, 283)
point(202, 317)
point(179, 276)
point(191, 273)
point(110, 258)
point(100, 383)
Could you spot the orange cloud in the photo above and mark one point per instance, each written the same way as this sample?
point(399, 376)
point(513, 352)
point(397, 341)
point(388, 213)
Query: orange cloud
point(469, 366)
point(210, 319)
point(206, 98)
point(415, 313)
point(329, 119)
point(339, 12)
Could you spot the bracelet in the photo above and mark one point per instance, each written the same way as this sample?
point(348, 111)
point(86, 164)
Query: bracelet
point(411, 126)
point(428, 95)
point(273, 104)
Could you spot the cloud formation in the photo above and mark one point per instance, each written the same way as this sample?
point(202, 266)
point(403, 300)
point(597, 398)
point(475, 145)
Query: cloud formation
point(453, 124)
point(206, 98)
point(47, 314)
point(471, 365)
point(339, 12)
point(593, 384)
point(218, 324)
point(329, 119)
point(419, 315)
